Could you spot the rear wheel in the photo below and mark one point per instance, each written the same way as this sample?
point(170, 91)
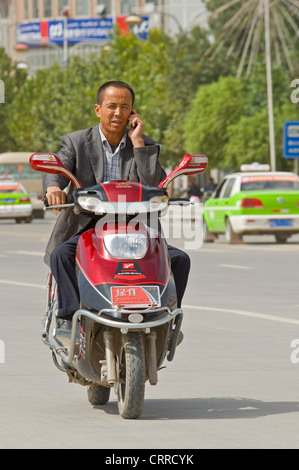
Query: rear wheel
point(131, 376)
point(230, 235)
point(98, 395)
point(281, 238)
point(27, 220)
point(208, 237)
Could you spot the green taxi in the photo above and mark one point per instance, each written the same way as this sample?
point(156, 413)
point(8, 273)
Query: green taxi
point(253, 203)
point(14, 201)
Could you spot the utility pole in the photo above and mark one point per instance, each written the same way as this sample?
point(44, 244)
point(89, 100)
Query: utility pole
point(65, 12)
point(269, 86)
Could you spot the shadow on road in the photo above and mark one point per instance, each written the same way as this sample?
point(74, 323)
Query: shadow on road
point(208, 408)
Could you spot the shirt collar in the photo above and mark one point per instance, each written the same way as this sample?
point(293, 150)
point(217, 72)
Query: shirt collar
point(120, 146)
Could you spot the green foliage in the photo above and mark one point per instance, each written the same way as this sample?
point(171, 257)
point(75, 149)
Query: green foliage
point(248, 139)
point(13, 80)
point(215, 107)
point(189, 102)
point(58, 100)
point(53, 102)
point(228, 120)
point(188, 70)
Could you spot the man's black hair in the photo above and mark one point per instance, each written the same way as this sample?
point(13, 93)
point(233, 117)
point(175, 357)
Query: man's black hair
point(116, 84)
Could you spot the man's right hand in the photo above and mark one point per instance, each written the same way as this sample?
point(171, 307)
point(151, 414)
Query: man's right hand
point(55, 196)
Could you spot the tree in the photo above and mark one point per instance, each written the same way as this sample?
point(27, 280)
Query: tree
point(13, 80)
point(53, 102)
point(228, 120)
point(59, 99)
point(145, 65)
point(164, 72)
point(189, 70)
point(248, 139)
point(214, 108)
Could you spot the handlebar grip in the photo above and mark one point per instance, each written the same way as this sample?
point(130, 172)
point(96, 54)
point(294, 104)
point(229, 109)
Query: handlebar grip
point(69, 200)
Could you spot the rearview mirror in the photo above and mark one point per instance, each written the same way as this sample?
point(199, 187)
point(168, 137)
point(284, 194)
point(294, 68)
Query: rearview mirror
point(190, 164)
point(50, 163)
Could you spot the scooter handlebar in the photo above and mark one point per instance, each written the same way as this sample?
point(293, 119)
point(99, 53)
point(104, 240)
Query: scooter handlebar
point(69, 203)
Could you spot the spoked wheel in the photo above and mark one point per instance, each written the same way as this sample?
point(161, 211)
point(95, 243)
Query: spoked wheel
point(131, 376)
point(98, 395)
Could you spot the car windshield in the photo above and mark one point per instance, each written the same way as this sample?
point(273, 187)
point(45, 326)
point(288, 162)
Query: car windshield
point(263, 183)
point(11, 189)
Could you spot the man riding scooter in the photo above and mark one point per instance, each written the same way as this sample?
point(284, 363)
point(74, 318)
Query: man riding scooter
point(108, 151)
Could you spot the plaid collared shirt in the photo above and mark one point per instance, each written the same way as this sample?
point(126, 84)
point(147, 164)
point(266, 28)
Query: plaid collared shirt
point(111, 158)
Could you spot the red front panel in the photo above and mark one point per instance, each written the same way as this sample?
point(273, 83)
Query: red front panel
point(128, 191)
point(100, 268)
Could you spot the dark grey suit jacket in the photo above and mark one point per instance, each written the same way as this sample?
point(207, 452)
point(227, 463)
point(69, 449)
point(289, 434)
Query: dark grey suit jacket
point(82, 153)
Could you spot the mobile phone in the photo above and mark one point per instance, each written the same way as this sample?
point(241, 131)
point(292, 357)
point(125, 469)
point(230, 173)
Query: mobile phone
point(133, 112)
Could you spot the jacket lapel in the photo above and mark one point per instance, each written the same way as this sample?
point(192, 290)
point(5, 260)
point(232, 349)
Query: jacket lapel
point(94, 150)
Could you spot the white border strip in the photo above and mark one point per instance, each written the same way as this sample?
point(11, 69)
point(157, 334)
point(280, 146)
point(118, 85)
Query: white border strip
point(21, 284)
point(244, 313)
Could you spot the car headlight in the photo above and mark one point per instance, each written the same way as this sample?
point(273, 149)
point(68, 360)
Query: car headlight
point(126, 245)
point(90, 203)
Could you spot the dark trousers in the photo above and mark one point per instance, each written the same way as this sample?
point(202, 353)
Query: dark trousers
point(63, 267)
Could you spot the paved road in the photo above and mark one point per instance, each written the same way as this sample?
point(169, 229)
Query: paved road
point(232, 383)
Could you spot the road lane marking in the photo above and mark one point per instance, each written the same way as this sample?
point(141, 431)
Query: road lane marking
point(244, 313)
point(21, 234)
point(23, 252)
point(263, 316)
point(265, 247)
point(22, 284)
point(215, 250)
point(234, 266)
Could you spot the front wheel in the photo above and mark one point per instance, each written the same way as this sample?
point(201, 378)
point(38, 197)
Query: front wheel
point(131, 376)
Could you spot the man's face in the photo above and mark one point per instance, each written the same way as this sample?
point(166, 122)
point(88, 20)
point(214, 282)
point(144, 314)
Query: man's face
point(114, 112)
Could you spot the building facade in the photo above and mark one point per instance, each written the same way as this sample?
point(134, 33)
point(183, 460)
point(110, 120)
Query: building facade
point(37, 33)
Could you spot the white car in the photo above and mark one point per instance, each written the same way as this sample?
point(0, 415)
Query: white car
point(256, 202)
point(15, 202)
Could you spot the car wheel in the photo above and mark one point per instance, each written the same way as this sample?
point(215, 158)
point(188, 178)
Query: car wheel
point(230, 235)
point(208, 237)
point(38, 214)
point(281, 238)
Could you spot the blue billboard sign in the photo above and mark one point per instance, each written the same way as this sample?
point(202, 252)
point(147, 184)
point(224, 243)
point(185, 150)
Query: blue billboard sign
point(82, 30)
point(94, 29)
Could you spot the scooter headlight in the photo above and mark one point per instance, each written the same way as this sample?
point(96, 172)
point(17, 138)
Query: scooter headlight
point(126, 245)
point(91, 203)
point(158, 204)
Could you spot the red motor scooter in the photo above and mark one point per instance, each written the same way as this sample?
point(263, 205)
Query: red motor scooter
point(128, 321)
